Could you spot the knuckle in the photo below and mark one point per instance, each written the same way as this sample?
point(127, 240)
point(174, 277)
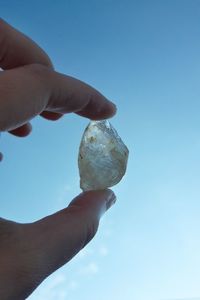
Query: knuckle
point(47, 61)
point(40, 73)
point(37, 69)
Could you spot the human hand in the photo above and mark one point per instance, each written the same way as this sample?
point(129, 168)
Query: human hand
point(29, 87)
point(31, 252)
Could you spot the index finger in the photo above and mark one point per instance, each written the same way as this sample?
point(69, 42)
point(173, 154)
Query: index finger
point(27, 91)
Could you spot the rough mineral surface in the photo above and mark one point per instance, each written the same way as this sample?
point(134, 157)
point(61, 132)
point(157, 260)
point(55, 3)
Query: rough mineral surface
point(102, 157)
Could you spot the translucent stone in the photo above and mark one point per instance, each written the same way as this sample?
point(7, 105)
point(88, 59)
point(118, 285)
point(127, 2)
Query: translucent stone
point(102, 156)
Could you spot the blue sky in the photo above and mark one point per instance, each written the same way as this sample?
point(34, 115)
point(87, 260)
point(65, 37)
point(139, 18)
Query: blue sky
point(145, 56)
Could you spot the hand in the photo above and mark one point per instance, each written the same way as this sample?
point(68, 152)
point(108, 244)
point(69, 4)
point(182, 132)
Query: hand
point(31, 252)
point(29, 86)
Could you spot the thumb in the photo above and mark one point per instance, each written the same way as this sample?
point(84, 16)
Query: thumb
point(57, 238)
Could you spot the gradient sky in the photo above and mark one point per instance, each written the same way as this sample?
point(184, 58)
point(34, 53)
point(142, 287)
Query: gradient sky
point(145, 56)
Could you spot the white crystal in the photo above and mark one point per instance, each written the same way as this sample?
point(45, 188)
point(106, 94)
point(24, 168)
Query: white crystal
point(102, 157)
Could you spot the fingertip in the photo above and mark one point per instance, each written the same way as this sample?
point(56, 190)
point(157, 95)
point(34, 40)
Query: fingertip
point(22, 131)
point(107, 111)
point(51, 115)
point(96, 201)
point(113, 108)
point(103, 110)
point(29, 128)
point(111, 199)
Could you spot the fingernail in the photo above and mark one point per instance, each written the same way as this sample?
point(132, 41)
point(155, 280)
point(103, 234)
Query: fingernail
point(110, 201)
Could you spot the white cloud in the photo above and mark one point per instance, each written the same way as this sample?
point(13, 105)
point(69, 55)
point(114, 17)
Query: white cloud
point(103, 251)
point(56, 281)
point(90, 269)
point(55, 287)
point(65, 194)
point(64, 191)
point(73, 285)
point(85, 252)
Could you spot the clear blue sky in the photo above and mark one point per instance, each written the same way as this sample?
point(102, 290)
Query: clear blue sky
point(145, 56)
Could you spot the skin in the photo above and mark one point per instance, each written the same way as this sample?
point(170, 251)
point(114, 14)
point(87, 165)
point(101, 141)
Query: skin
point(29, 86)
